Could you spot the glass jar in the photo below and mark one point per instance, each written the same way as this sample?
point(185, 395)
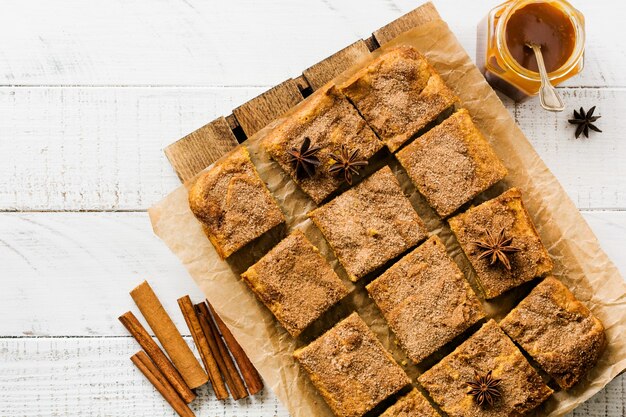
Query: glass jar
point(497, 64)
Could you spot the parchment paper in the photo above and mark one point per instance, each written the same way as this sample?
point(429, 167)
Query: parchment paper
point(580, 262)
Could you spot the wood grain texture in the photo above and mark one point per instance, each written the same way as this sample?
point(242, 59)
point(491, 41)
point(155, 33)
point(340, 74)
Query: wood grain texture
point(94, 259)
point(92, 377)
point(423, 14)
point(319, 74)
point(101, 149)
point(199, 43)
point(200, 148)
point(255, 114)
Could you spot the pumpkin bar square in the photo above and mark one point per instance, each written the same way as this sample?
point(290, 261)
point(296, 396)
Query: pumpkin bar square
point(414, 404)
point(399, 93)
point(451, 163)
point(330, 122)
point(490, 225)
point(521, 388)
point(426, 300)
point(351, 369)
point(370, 224)
point(295, 282)
point(558, 331)
point(233, 203)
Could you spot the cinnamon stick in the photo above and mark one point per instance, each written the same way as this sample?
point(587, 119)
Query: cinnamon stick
point(155, 353)
point(248, 371)
point(210, 363)
point(163, 327)
point(224, 361)
point(158, 380)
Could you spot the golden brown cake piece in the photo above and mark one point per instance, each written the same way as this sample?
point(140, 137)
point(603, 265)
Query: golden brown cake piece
point(295, 282)
point(329, 121)
point(521, 388)
point(491, 225)
point(370, 224)
point(558, 331)
point(233, 203)
point(426, 300)
point(451, 163)
point(399, 93)
point(414, 404)
point(350, 368)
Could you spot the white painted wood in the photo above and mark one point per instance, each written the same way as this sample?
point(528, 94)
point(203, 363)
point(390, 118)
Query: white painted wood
point(212, 43)
point(94, 377)
point(101, 148)
point(90, 93)
point(70, 273)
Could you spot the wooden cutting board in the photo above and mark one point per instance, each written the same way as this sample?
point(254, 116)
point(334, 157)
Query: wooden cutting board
point(202, 147)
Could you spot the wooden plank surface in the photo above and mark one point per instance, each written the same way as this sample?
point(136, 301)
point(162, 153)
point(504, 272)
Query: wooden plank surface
point(101, 149)
point(200, 148)
point(200, 43)
point(90, 261)
point(90, 98)
point(319, 74)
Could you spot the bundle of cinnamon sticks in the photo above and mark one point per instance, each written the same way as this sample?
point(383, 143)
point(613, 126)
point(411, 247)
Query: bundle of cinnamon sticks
point(175, 376)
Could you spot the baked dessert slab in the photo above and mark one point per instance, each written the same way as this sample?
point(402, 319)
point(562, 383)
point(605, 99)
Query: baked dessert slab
point(399, 93)
point(451, 163)
point(558, 331)
point(351, 369)
point(504, 214)
point(233, 203)
point(370, 224)
point(426, 300)
point(414, 404)
point(489, 349)
point(295, 282)
point(330, 122)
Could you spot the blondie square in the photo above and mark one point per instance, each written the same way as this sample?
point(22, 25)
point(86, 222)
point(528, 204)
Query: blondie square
point(295, 282)
point(399, 93)
point(414, 404)
point(558, 331)
point(426, 300)
point(330, 122)
point(520, 389)
point(370, 224)
point(350, 368)
point(451, 163)
point(504, 223)
point(233, 203)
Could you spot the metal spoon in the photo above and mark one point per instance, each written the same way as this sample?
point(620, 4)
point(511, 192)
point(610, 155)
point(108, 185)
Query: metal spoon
point(548, 97)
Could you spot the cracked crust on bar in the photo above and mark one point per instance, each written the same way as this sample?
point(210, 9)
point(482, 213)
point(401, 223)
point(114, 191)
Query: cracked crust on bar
point(489, 349)
point(351, 369)
point(399, 93)
point(329, 120)
point(414, 404)
point(452, 163)
point(426, 300)
point(504, 212)
point(295, 282)
point(558, 331)
point(233, 203)
point(370, 224)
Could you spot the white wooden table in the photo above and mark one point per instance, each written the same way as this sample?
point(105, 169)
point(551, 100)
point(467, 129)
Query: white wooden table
point(90, 93)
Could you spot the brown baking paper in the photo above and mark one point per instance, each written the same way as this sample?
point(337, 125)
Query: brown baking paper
point(580, 262)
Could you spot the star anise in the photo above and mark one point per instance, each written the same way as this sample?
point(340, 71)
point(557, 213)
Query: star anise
point(484, 388)
point(585, 121)
point(304, 160)
point(496, 248)
point(346, 163)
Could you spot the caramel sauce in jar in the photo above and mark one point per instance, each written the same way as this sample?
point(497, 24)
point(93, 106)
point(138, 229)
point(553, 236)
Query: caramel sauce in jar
point(509, 65)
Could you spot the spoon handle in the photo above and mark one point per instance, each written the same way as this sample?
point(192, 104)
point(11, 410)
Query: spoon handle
point(548, 96)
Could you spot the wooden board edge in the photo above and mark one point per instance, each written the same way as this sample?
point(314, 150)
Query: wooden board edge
point(201, 148)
